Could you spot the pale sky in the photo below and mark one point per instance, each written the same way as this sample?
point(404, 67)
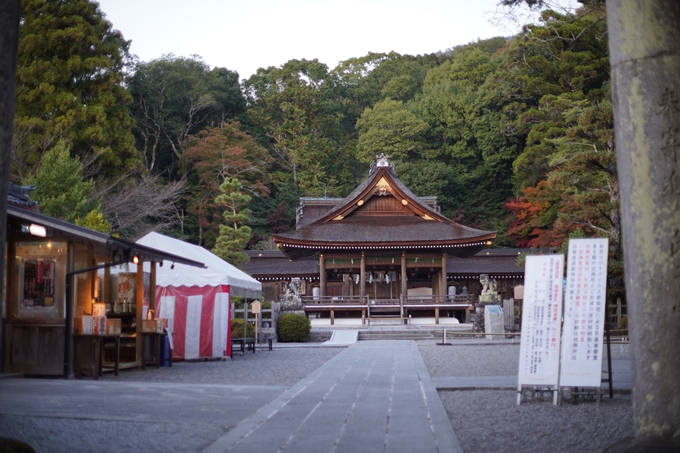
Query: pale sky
point(246, 35)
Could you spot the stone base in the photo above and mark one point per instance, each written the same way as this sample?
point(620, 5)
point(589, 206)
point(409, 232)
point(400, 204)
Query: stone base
point(489, 299)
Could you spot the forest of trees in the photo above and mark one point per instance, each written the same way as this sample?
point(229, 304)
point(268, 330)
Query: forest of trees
point(512, 134)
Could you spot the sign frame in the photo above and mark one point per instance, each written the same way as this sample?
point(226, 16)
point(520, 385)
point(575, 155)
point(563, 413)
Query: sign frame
point(539, 360)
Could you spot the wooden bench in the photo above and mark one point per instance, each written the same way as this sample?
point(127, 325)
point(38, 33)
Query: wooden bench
point(249, 343)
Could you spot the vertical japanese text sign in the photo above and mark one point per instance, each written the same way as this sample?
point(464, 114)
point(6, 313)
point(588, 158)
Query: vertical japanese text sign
point(541, 316)
point(584, 310)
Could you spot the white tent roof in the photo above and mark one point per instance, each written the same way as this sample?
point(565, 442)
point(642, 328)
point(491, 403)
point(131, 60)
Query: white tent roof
point(218, 271)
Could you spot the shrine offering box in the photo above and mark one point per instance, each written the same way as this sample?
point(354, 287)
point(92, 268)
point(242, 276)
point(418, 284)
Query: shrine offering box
point(113, 326)
point(155, 325)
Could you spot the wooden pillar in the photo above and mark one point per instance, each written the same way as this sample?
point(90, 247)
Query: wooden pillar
point(152, 290)
point(362, 277)
point(403, 276)
point(322, 275)
point(443, 290)
point(106, 287)
point(139, 301)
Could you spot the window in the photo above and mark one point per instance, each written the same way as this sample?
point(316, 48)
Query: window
point(40, 268)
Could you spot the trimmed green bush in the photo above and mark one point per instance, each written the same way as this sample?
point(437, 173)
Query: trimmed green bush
point(237, 329)
point(293, 327)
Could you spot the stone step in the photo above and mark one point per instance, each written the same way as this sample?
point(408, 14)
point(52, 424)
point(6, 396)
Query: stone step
point(398, 335)
point(319, 336)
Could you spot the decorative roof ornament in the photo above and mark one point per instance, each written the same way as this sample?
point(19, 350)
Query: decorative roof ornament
point(381, 160)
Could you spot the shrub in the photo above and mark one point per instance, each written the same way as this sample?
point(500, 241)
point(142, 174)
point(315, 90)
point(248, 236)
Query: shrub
point(237, 329)
point(293, 327)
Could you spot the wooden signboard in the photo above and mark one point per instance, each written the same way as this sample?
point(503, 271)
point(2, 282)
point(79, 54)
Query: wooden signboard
point(584, 310)
point(540, 345)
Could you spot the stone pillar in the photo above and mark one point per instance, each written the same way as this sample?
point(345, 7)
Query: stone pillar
point(644, 41)
point(362, 277)
point(322, 275)
point(404, 279)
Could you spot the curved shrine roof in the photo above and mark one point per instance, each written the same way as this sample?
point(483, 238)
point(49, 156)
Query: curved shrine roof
point(382, 213)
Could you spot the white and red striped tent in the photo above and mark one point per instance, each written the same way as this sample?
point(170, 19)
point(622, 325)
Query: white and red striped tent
point(196, 301)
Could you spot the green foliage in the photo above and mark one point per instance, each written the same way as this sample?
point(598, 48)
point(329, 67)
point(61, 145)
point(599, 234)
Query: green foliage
point(237, 329)
point(69, 86)
point(61, 191)
point(390, 128)
point(302, 121)
point(175, 97)
point(293, 327)
point(460, 104)
point(95, 220)
point(233, 236)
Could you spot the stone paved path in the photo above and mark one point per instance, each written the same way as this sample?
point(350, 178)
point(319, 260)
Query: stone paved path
point(375, 396)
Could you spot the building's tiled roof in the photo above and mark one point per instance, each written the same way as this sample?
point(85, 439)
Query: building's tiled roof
point(482, 264)
point(273, 263)
point(359, 230)
point(400, 220)
point(20, 196)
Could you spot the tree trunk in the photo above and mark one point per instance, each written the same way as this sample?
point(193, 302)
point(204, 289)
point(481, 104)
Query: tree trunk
point(9, 41)
point(644, 40)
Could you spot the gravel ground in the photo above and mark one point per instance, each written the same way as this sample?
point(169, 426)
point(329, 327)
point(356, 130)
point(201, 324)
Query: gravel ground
point(281, 366)
point(470, 359)
point(491, 421)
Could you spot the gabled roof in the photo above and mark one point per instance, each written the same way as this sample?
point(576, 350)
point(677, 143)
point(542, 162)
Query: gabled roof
point(382, 213)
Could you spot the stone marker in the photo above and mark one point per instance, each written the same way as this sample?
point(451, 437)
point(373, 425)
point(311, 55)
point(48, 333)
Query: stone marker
point(493, 320)
point(509, 311)
point(644, 44)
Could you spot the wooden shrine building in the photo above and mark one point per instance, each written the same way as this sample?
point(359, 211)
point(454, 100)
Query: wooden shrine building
point(381, 251)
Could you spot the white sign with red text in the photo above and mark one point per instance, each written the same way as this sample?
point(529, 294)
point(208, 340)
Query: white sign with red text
point(584, 312)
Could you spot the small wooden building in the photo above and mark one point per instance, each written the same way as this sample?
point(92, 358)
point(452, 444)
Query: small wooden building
point(51, 282)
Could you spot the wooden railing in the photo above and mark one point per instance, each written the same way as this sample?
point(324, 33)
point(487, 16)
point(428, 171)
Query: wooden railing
point(334, 300)
point(311, 301)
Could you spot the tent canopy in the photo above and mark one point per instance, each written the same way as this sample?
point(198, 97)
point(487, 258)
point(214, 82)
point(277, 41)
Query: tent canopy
point(217, 272)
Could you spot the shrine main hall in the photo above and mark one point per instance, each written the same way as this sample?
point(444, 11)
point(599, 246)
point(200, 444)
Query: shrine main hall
point(382, 252)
